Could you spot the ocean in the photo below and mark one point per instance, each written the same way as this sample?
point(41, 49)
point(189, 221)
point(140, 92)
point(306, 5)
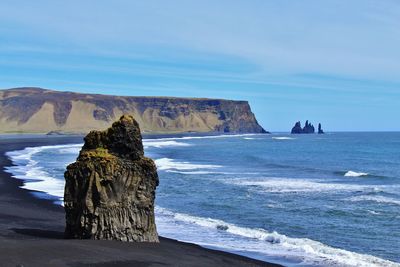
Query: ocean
point(299, 200)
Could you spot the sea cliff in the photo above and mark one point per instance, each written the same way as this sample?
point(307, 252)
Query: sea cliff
point(37, 110)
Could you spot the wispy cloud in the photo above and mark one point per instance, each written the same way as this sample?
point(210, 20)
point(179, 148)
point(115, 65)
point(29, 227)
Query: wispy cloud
point(358, 37)
point(343, 52)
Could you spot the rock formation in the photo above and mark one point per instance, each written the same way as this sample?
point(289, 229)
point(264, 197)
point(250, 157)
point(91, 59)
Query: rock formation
point(37, 110)
point(320, 131)
point(297, 128)
point(307, 129)
point(110, 189)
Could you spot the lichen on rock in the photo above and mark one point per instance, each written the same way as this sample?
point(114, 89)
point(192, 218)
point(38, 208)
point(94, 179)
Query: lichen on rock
point(110, 189)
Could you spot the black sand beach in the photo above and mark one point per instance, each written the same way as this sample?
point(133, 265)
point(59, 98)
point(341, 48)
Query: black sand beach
point(31, 231)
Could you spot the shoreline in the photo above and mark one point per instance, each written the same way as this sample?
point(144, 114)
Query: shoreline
point(31, 231)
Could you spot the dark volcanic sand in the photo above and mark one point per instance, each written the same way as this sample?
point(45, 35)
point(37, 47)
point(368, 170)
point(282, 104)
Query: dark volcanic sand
point(31, 231)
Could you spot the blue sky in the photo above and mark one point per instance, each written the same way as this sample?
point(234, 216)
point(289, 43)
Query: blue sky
point(335, 62)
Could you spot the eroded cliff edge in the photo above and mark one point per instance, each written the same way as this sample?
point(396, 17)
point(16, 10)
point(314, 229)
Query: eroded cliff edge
point(39, 110)
point(110, 189)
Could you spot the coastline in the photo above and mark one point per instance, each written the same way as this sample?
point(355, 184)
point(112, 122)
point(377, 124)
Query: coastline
point(31, 231)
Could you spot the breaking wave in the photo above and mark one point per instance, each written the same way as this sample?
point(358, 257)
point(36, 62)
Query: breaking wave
point(159, 144)
point(291, 185)
point(355, 174)
point(298, 251)
point(195, 172)
point(36, 177)
point(376, 199)
point(283, 138)
point(170, 164)
point(207, 137)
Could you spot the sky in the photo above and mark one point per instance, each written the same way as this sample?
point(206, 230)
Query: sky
point(334, 62)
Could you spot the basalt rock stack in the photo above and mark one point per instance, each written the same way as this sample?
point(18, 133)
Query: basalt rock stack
point(320, 131)
point(307, 129)
point(297, 129)
point(110, 189)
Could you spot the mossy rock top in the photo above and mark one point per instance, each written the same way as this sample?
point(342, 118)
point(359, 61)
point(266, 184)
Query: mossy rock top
point(123, 139)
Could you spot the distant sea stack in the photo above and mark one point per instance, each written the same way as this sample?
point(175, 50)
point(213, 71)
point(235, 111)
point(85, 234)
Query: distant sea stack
point(320, 131)
point(110, 189)
point(37, 110)
point(307, 129)
point(297, 129)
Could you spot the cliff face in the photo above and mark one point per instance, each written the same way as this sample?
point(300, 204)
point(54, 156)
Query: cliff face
point(39, 110)
point(110, 189)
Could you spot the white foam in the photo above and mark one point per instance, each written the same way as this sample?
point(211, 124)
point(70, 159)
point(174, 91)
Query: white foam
point(159, 144)
point(377, 199)
point(295, 185)
point(355, 174)
point(35, 177)
point(170, 164)
point(283, 138)
point(23, 158)
point(50, 185)
point(274, 205)
point(205, 137)
point(70, 150)
point(213, 172)
point(249, 138)
point(302, 251)
point(195, 172)
point(373, 212)
point(24, 154)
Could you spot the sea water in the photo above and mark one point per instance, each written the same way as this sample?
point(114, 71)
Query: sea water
point(300, 200)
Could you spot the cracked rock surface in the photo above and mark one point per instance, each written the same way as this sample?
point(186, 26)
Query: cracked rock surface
point(110, 189)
